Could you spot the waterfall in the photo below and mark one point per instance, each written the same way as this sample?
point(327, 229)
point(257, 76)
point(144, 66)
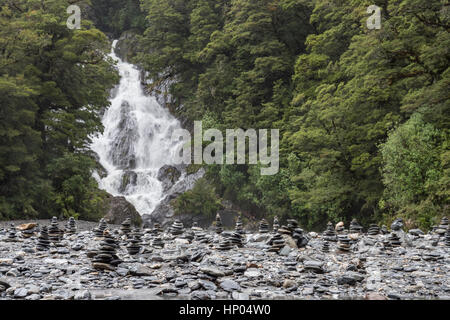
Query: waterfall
point(136, 141)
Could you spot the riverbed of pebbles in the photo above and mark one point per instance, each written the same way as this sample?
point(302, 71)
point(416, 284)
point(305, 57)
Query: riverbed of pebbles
point(190, 266)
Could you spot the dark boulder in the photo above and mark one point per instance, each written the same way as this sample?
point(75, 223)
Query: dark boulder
point(168, 175)
point(118, 209)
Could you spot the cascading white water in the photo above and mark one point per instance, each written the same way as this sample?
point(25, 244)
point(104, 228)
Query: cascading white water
point(136, 141)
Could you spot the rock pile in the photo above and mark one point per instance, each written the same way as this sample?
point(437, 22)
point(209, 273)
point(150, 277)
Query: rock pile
point(71, 227)
point(384, 229)
point(54, 233)
point(11, 237)
point(176, 228)
point(397, 224)
point(394, 240)
point(201, 237)
point(276, 224)
point(157, 242)
point(224, 244)
point(329, 233)
point(43, 242)
point(239, 229)
point(355, 227)
point(276, 243)
point(325, 247)
point(218, 225)
point(27, 230)
point(98, 232)
point(443, 226)
point(263, 226)
point(343, 243)
point(134, 242)
point(373, 230)
point(106, 258)
point(125, 227)
point(235, 238)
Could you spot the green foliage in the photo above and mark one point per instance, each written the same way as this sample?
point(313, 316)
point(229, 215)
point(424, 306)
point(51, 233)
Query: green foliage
point(412, 171)
point(54, 81)
point(313, 70)
point(201, 200)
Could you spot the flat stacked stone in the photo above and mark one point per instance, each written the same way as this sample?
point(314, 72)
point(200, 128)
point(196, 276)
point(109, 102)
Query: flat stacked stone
point(98, 232)
point(125, 227)
point(54, 233)
point(344, 243)
point(225, 245)
point(300, 238)
point(355, 227)
point(284, 230)
point(329, 233)
point(384, 229)
point(292, 224)
point(443, 226)
point(276, 224)
point(43, 242)
point(134, 242)
point(201, 237)
point(276, 243)
point(263, 226)
point(239, 226)
point(176, 228)
point(373, 230)
point(27, 230)
point(189, 235)
point(235, 238)
point(71, 226)
point(106, 258)
point(325, 246)
point(394, 240)
point(218, 225)
point(11, 235)
point(195, 227)
point(157, 242)
point(397, 224)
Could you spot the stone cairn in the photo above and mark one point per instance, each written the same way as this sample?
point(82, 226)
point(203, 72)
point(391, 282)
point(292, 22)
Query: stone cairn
point(71, 227)
point(105, 257)
point(11, 237)
point(276, 224)
point(355, 227)
point(98, 232)
point(157, 242)
point(394, 240)
point(397, 225)
point(54, 233)
point(384, 229)
point(157, 229)
point(263, 226)
point(447, 237)
point(176, 228)
point(276, 243)
point(201, 237)
point(28, 230)
point(325, 247)
point(329, 233)
point(224, 244)
point(239, 229)
point(125, 227)
point(343, 243)
point(218, 225)
point(135, 242)
point(235, 238)
point(373, 230)
point(443, 226)
point(43, 242)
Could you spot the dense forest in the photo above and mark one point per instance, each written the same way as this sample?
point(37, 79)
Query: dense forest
point(363, 114)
